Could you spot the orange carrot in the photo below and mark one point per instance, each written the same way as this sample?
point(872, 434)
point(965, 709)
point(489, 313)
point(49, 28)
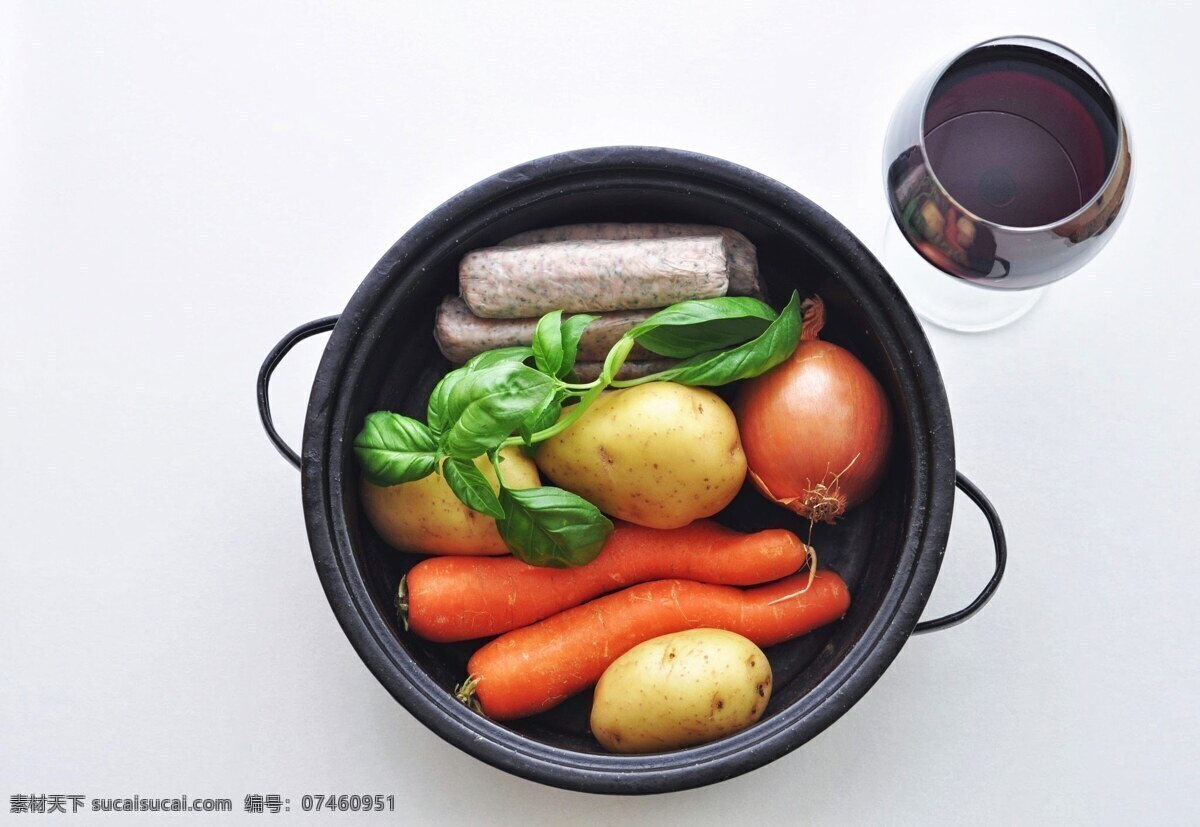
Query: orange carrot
point(530, 670)
point(459, 598)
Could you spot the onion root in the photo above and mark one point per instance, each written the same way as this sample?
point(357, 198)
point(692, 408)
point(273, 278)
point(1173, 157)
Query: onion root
point(820, 503)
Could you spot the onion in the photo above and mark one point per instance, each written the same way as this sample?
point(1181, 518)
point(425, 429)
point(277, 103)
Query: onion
point(816, 429)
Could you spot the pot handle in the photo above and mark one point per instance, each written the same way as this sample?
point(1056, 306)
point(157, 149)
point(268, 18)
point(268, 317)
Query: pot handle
point(264, 379)
point(989, 511)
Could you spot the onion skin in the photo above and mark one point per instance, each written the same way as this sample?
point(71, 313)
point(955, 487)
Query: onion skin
point(816, 430)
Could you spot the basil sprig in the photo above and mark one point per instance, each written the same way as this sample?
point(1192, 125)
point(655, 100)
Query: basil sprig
point(498, 399)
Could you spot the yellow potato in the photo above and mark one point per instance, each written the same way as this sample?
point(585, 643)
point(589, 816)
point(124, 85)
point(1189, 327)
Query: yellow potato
point(425, 516)
point(659, 454)
point(680, 690)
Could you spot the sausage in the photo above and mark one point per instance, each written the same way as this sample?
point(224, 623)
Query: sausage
point(632, 369)
point(592, 275)
point(460, 334)
point(744, 279)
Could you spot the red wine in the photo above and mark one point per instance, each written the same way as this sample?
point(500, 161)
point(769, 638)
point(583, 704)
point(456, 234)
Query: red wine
point(1010, 168)
point(1020, 136)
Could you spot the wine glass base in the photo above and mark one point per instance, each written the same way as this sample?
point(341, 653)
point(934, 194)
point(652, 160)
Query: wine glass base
point(947, 301)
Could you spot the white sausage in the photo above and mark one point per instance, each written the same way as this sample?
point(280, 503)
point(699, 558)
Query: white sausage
point(589, 275)
point(744, 278)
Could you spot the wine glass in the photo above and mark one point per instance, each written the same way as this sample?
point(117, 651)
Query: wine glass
point(1007, 167)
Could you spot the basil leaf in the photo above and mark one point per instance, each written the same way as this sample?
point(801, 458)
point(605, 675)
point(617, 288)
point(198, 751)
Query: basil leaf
point(393, 449)
point(540, 420)
point(470, 485)
point(572, 332)
point(490, 358)
point(552, 527)
point(438, 413)
point(485, 406)
point(703, 325)
point(548, 344)
point(774, 346)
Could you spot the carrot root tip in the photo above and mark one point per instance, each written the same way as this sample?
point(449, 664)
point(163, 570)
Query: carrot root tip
point(465, 693)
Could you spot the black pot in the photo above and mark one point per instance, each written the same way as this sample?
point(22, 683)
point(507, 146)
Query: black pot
point(382, 356)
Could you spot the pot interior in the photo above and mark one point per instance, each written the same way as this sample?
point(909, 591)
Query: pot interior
point(402, 364)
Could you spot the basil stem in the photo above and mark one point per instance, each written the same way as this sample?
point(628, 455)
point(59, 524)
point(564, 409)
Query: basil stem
point(616, 357)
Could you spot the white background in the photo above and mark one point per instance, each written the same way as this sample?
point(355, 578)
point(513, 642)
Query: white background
point(183, 183)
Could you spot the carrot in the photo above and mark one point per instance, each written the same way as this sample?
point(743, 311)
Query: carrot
point(459, 598)
point(532, 669)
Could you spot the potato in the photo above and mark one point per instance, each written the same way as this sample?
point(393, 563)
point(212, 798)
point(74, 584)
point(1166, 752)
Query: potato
point(680, 690)
point(425, 516)
point(659, 454)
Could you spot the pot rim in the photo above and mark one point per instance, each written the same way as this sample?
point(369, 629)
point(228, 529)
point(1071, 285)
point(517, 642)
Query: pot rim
point(927, 521)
